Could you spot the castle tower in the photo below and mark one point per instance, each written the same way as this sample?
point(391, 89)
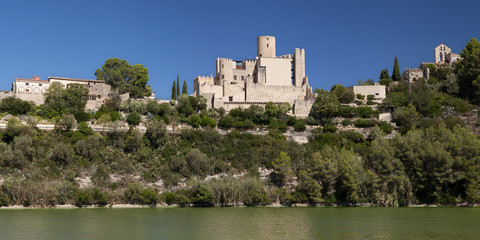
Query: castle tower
point(265, 46)
point(441, 52)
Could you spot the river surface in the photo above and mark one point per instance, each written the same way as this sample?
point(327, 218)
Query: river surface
point(241, 223)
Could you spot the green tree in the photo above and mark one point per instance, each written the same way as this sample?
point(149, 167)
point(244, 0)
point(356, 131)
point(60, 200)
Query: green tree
point(117, 73)
point(451, 84)
point(281, 169)
point(174, 91)
point(184, 89)
point(138, 85)
point(325, 105)
point(156, 133)
point(59, 100)
point(133, 119)
point(124, 77)
point(384, 74)
point(15, 106)
point(178, 86)
point(468, 70)
point(396, 75)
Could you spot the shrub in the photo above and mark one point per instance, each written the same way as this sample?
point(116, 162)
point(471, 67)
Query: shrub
point(346, 122)
point(329, 127)
point(15, 106)
point(360, 96)
point(133, 119)
point(207, 121)
point(364, 123)
point(385, 127)
point(225, 123)
point(194, 121)
point(300, 125)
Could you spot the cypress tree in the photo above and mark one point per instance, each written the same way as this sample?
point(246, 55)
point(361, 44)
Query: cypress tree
point(184, 89)
point(384, 74)
point(396, 75)
point(178, 87)
point(174, 91)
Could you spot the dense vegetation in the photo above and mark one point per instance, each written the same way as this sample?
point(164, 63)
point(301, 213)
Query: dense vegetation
point(432, 157)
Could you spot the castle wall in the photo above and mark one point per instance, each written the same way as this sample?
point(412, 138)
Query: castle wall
point(299, 70)
point(266, 93)
point(302, 108)
point(233, 92)
point(278, 71)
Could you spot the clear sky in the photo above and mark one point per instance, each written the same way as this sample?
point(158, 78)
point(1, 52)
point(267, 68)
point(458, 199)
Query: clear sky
point(345, 41)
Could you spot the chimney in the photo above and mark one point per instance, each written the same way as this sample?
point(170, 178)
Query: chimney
point(36, 77)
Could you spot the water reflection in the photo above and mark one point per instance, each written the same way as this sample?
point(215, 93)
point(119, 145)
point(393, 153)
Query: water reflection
point(242, 223)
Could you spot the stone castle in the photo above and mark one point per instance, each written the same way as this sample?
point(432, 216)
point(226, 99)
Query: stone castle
point(267, 78)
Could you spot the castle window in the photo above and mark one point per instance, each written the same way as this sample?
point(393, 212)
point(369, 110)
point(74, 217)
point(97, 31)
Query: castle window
point(27, 83)
point(39, 84)
point(267, 44)
point(223, 76)
point(234, 77)
point(243, 77)
point(230, 99)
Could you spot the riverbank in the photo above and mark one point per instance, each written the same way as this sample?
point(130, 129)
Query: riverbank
point(71, 206)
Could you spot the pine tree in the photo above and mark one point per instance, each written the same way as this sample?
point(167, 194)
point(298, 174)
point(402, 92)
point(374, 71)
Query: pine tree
point(178, 87)
point(396, 75)
point(184, 89)
point(174, 91)
point(384, 74)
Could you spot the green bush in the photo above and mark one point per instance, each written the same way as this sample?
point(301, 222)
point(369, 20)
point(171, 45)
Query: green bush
point(346, 122)
point(300, 126)
point(133, 119)
point(194, 121)
point(226, 123)
point(385, 127)
point(15, 106)
point(329, 127)
point(207, 121)
point(364, 123)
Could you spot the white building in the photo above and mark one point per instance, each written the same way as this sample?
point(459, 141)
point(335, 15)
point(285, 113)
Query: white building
point(267, 78)
point(378, 91)
point(33, 89)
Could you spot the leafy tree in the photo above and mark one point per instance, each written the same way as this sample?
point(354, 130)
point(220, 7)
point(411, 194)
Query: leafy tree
point(325, 105)
point(15, 106)
point(138, 85)
point(406, 118)
point(396, 75)
point(59, 100)
point(156, 133)
point(184, 89)
point(117, 73)
point(67, 122)
point(384, 74)
point(451, 84)
point(133, 119)
point(468, 70)
point(124, 77)
point(343, 94)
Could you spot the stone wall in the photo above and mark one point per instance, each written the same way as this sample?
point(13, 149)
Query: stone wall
point(35, 98)
point(302, 108)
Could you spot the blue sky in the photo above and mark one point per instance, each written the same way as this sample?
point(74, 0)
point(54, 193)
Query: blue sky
point(345, 41)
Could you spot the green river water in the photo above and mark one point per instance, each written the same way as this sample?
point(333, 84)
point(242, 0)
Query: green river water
point(241, 223)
